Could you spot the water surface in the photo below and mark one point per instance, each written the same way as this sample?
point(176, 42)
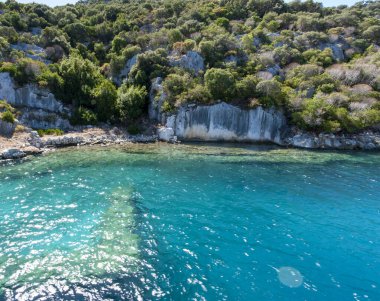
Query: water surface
point(191, 222)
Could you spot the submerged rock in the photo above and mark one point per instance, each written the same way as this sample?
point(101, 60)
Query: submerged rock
point(365, 141)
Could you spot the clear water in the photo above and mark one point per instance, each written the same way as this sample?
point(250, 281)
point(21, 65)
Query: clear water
point(191, 222)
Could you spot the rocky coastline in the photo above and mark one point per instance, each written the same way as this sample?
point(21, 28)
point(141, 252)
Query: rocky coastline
point(218, 122)
point(22, 146)
point(32, 144)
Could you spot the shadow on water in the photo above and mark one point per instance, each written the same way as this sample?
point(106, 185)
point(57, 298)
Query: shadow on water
point(91, 271)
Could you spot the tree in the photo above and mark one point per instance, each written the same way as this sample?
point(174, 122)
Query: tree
point(373, 33)
point(149, 65)
point(131, 101)
point(246, 88)
point(104, 99)
point(261, 7)
point(80, 76)
point(223, 22)
point(51, 36)
point(271, 92)
point(220, 83)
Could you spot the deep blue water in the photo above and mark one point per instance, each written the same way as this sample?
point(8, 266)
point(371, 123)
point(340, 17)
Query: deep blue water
point(191, 222)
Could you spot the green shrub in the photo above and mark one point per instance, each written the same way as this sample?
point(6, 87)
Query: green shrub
point(220, 83)
point(55, 132)
point(196, 94)
point(8, 116)
point(131, 101)
point(133, 129)
point(83, 116)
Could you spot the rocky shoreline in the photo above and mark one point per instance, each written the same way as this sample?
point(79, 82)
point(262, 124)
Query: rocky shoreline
point(33, 144)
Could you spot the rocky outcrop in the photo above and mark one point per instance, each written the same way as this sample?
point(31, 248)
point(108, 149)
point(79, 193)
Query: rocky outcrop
point(123, 75)
point(39, 108)
point(7, 128)
point(224, 122)
point(31, 51)
point(7, 89)
point(15, 153)
point(40, 119)
point(192, 61)
point(12, 153)
point(156, 99)
point(31, 96)
point(365, 141)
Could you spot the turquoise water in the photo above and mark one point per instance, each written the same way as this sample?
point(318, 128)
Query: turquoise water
point(191, 222)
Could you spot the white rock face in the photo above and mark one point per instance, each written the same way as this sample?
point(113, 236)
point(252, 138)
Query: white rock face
point(123, 76)
point(165, 134)
point(32, 97)
point(39, 107)
point(156, 99)
point(40, 119)
point(192, 60)
point(7, 90)
point(224, 122)
point(27, 96)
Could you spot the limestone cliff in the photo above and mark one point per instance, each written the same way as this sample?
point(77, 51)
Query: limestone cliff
point(224, 122)
point(39, 108)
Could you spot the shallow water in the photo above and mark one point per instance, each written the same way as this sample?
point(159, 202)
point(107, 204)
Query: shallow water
point(191, 222)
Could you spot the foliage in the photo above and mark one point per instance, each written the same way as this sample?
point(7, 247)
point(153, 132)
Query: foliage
point(131, 101)
point(83, 116)
point(321, 65)
point(8, 116)
point(104, 97)
point(55, 132)
point(220, 83)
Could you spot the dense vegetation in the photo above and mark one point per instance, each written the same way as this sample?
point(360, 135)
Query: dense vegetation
point(320, 65)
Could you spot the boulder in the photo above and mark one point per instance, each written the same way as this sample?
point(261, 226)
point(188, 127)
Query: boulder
point(7, 128)
point(192, 61)
point(12, 153)
point(165, 134)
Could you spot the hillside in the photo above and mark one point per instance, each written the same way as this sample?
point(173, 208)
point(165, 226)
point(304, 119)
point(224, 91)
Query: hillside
point(320, 66)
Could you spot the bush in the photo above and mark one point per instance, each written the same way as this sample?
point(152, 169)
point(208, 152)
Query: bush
point(149, 65)
point(223, 22)
point(83, 116)
point(80, 76)
point(133, 129)
point(220, 83)
point(104, 100)
point(270, 92)
point(8, 116)
point(55, 132)
point(246, 88)
point(197, 94)
point(131, 101)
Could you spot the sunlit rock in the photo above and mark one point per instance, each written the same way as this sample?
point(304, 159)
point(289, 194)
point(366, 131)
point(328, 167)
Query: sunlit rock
point(224, 122)
point(192, 60)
